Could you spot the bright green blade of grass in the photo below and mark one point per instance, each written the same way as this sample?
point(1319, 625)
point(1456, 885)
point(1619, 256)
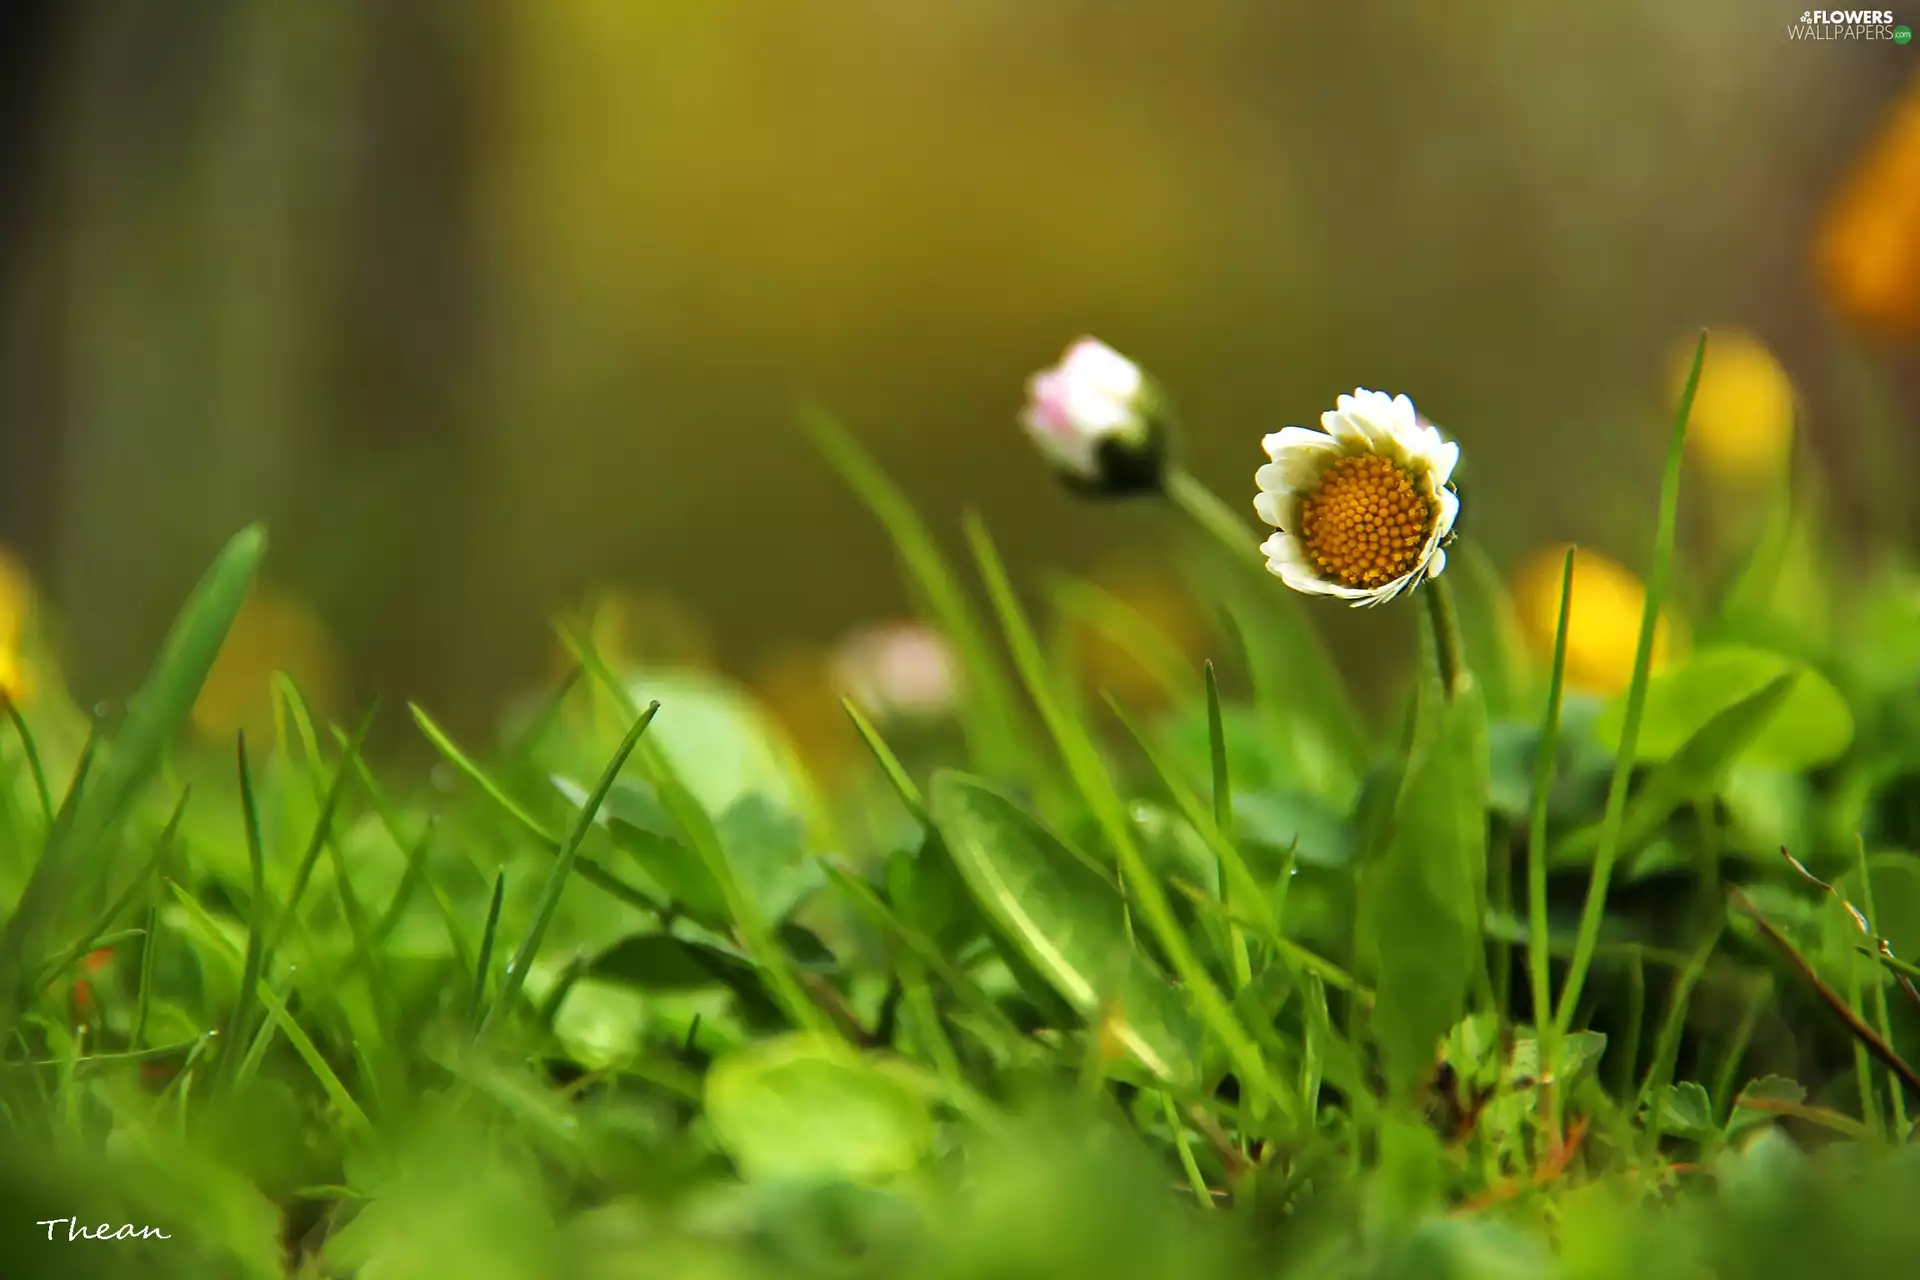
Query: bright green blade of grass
point(1666, 1046)
point(1223, 816)
point(1090, 776)
point(890, 765)
point(465, 764)
point(90, 939)
point(697, 828)
point(1005, 1037)
point(1658, 576)
point(31, 750)
point(1538, 957)
point(589, 870)
point(288, 915)
point(259, 926)
point(144, 1001)
point(991, 712)
point(155, 715)
point(562, 870)
point(483, 965)
point(359, 926)
point(1882, 1015)
point(1690, 772)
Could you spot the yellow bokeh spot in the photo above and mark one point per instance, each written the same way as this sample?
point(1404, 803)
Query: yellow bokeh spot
point(16, 597)
point(1603, 627)
point(1867, 251)
point(272, 632)
point(16, 683)
point(1741, 426)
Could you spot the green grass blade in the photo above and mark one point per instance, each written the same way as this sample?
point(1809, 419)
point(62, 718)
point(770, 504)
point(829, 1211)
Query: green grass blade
point(410, 880)
point(1658, 576)
point(697, 829)
point(1538, 958)
point(1090, 776)
point(1223, 817)
point(259, 925)
point(465, 764)
point(1003, 1036)
point(390, 820)
point(489, 933)
point(144, 1002)
point(31, 750)
point(549, 902)
point(1666, 1047)
point(322, 833)
point(890, 765)
point(1882, 1016)
point(991, 713)
point(155, 715)
point(90, 939)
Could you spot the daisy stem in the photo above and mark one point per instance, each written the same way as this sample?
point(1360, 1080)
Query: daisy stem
point(1446, 636)
point(1201, 505)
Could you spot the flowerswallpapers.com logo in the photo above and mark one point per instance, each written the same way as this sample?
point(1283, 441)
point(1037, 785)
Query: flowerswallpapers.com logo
point(1848, 24)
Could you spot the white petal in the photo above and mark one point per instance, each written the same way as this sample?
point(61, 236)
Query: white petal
point(1437, 564)
point(1287, 561)
point(1292, 439)
point(1443, 456)
point(1346, 427)
point(1266, 505)
point(1449, 512)
point(1094, 365)
point(1400, 416)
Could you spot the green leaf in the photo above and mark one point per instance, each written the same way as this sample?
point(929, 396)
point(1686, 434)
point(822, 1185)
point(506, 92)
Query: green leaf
point(1751, 1108)
point(79, 849)
point(1066, 920)
point(1811, 727)
point(926, 890)
point(806, 1108)
point(1419, 926)
point(1685, 1111)
point(557, 875)
point(1693, 771)
point(991, 713)
point(1284, 818)
point(766, 847)
point(720, 744)
point(662, 964)
point(1633, 713)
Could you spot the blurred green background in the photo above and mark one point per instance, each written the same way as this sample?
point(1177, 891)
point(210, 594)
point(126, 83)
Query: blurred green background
point(481, 306)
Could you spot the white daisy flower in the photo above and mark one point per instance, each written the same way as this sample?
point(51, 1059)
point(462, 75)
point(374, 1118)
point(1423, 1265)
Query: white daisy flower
point(1365, 506)
point(1098, 419)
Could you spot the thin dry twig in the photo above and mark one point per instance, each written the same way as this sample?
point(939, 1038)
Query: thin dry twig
point(1865, 1034)
point(1859, 919)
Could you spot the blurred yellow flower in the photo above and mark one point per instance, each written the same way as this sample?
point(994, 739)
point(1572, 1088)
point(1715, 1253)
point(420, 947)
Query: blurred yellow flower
point(1742, 421)
point(1867, 251)
point(272, 632)
point(16, 609)
point(16, 597)
point(1603, 627)
point(16, 685)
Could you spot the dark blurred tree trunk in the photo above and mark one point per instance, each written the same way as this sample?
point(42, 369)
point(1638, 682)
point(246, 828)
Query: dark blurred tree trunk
point(32, 34)
point(270, 298)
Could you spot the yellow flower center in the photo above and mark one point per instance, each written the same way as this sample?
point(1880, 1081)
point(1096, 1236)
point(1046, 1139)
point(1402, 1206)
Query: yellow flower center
point(1365, 523)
